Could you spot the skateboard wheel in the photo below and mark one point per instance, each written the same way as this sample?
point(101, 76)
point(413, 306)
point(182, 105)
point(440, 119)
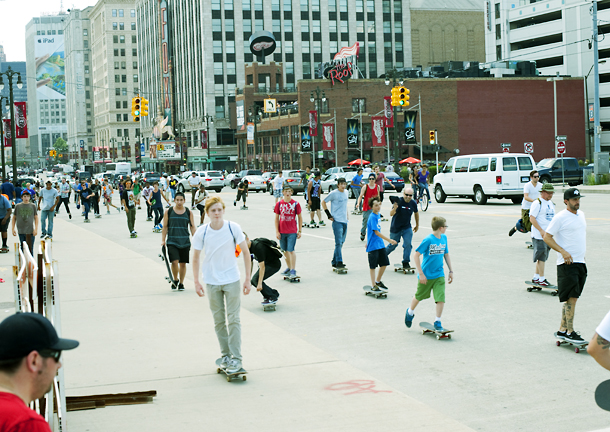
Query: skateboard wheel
point(448, 336)
point(438, 337)
point(243, 377)
point(218, 370)
point(423, 332)
point(576, 350)
point(529, 290)
point(558, 343)
point(228, 379)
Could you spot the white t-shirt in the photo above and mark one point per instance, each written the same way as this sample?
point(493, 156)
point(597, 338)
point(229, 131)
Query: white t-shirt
point(569, 230)
point(219, 266)
point(543, 211)
point(194, 181)
point(201, 195)
point(163, 183)
point(278, 182)
point(603, 329)
point(533, 193)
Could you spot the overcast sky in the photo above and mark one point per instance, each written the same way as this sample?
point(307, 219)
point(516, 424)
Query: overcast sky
point(15, 14)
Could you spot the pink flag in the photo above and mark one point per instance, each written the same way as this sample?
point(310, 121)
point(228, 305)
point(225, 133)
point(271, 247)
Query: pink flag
point(328, 136)
point(388, 111)
point(21, 121)
point(8, 142)
point(378, 131)
point(313, 123)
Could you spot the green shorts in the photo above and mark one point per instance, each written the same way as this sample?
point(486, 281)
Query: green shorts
point(437, 285)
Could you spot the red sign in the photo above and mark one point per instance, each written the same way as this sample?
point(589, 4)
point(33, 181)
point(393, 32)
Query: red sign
point(8, 142)
point(340, 72)
point(388, 111)
point(328, 136)
point(528, 147)
point(204, 140)
point(561, 147)
point(506, 149)
point(313, 123)
point(21, 121)
point(378, 131)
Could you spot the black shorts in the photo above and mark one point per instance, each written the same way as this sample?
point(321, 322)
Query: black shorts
point(571, 280)
point(378, 258)
point(201, 208)
point(178, 254)
point(315, 203)
point(241, 194)
point(4, 226)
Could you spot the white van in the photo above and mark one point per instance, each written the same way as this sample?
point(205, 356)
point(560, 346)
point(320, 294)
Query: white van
point(481, 176)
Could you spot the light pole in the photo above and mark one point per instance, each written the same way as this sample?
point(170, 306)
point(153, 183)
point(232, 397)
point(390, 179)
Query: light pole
point(317, 99)
point(9, 73)
point(2, 98)
point(254, 111)
point(554, 80)
point(394, 75)
point(587, 110)
point(208, 118)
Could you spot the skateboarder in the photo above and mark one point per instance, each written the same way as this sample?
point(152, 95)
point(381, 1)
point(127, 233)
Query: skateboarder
point(380, 181)
point(567, 234)
point(107, 191)
point(431, 273)
point(541, 214)
point(402, 209)
point(200, 198)
point(218, 239)
point(26, 220)
point(339, 217)
point(287, 231)
point(375, 246)
point(314, 194)
point(147, 194)
point(369, 191)
point(356, 186)
point(531, 192)
point(49, 197)
point(64, 197)
point(96, 188)
point(242, 192)
point(156, 205)
point(268, 256)
point(177, 222)
point(85, 195)
point(128, 203)
point(305, 177)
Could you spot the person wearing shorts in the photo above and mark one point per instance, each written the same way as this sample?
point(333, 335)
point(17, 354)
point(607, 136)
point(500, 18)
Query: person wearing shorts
point(531, 192)
point(567, 234)
point(278, 184)
point(375, 246)
point(541, 214)
point(287, 211)
point(200, 198)
point(314, 193)
point(242, 192)
point(431, 272)
point(177, 222)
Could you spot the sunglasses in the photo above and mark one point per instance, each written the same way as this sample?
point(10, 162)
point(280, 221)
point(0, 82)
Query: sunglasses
point(536, 177)
point(409, 195)
point(55, 355)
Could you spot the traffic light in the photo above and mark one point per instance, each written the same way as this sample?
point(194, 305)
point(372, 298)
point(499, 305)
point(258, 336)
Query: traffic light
point(403, 96)
point(394, 100)
point(144, 110)
point(135, 108)
point(52, 153)
point(432, 137)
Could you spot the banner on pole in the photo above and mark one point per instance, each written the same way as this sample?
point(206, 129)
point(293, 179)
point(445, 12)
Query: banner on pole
point(8, 141)
point(410, 117)
point(378, 131)
point(21, 121)
point(313, 123)
point(328, 136)
point(388, 112)
point(250, 133)
point(305, 140)
point(204, 140)
point(352, 133)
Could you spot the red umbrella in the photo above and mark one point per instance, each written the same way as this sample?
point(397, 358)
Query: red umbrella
point(359, 162)
point(409, 160)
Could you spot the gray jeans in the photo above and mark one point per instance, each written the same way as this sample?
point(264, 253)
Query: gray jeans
point(365, 220)
point(218, 295)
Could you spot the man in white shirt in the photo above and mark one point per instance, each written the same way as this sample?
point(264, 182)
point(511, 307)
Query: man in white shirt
point(278, 186)
point(541, 214)
point(531, 192)
point(194, 182)
point(567, 234)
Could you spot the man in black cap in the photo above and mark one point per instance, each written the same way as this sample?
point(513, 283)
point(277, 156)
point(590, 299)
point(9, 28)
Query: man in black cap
point(29, 360)
point(567, 234)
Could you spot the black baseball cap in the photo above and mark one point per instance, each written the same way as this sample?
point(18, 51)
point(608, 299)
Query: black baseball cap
point(572, 193)
point(22, 333)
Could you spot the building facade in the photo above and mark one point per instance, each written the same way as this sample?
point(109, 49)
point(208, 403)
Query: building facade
point(2, 54)
point(556, 34)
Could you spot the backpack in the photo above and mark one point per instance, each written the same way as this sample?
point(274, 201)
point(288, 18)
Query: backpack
point(275, 251)
point(232, 235)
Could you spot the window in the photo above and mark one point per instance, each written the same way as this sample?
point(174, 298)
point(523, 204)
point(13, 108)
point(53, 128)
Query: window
point(133, 39)
point(124, 104)
point(85, 43)
point(216, 25)
point(228, 5)
point(287, 5)
point(215, 4)
point(116, 65)
point(449, 166)
point(258, 24)
point(525, 163)
point(492, 166)
point(117, 92)
point(124, 78)
point(132, 13)
point(275, 5)
point(117, 78)
point(118, 117)
point(121, 13)
point(86, 57)
point(479, 164)
point(133, 26)
point(304, 5)
point(218, 47)
point(115, 39)
point(119, 132)
point(397, 7)
point(134, 52)
point(125, 117)
point(124, 91)
point(116, 52)
point(304, 26)
point(121, 26)
point(113, 12)
point(509, 164)
point(135, 78)
point(85, 32)
point(461, 165)
point(230, 47)
point(122, 39)
point(358, 105)
point(123, 65)
point(118, 104)
point(135, 64)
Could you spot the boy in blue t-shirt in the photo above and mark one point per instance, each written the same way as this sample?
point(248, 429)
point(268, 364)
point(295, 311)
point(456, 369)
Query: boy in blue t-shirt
point(375, 245)
point(431, 273)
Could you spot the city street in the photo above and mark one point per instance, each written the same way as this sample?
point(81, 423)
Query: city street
point(330, 358)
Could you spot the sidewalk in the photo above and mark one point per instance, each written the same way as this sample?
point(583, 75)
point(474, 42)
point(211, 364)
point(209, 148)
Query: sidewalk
point(603, 189)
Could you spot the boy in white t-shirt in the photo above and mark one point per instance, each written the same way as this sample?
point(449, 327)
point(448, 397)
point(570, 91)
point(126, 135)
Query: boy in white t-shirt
point(541, 214)
point(200, 198)
point(221, 274)
point(531, 192)
point(278, 184)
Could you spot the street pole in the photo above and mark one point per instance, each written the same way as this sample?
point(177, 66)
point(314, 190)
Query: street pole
point(555, 110)
point(361, 131)
point(421, 142)
point(597, 125)
point(2, 136)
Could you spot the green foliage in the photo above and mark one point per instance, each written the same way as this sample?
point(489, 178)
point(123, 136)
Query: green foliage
point(601, 180)
point(432, 170)
point(61, 148)
point(404, 173)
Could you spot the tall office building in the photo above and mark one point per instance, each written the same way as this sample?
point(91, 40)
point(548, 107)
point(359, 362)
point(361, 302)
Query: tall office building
point(114, 75)
point(44, 43)
point(79, 100)
point(2, 54)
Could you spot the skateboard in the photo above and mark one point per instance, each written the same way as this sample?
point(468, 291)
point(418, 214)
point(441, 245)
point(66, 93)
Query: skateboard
point(269, 307)
point(400, 268)
point(356, 212)
point(368, 290)
point(157, 230)
point(147, 219)
point(87, 221)
point(306, 225)
point(170, 279)
point(577, 345)
point(342, 270)
point(230, 376)
point(133, 235)
point(535, 287)
point(292, 279)
point(98, 216)
point(429, 328)
point(243, 208)
point(529, 245)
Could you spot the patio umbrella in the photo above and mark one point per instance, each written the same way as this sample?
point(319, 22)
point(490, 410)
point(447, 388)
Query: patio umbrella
point(409, 160)
point(359, 162)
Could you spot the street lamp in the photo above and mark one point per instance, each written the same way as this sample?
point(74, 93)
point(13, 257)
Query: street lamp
point(2, 137)
point(317, 104)
point(254, 112)
point(208, 118)
point(9, 73)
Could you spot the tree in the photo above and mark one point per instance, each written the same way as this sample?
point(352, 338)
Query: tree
point(61, 148)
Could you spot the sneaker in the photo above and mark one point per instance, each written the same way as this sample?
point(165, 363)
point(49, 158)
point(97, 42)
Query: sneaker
point(293, 273)
point(174, 286)
point(340, 265)
point(49, 237)
point(266, 302)
point(409, 319)
point(107, 212)
point(180, 287)
point(535, 281)
point(562, 335)
point(574, 337)
point(406, 264)
point(286, 272)
point(70, 215)
point(160, 226)
point(361, 237)
point(312, 224)
point(233, 366)
point(375, 288)
point(544, 283)
point(87, 221)
point(271, 301)
point(438, 326)
point(322, 223)
point(224, 361)
point(381, 286)
point(512, 231)
point(234, 203)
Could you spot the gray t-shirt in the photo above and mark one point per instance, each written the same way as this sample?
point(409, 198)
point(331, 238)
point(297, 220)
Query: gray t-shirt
point(48, 197)
point(339, 205)
point(24, 217)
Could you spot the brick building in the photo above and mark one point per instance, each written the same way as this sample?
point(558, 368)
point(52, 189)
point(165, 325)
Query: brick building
point(474, 115)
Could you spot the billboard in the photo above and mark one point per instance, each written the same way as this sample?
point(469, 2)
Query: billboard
point(50, 69)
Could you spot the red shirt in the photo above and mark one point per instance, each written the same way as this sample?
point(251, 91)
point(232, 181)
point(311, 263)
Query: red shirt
point(288, 212)
point(16, 416)
point(370, 193)
point(379, 180)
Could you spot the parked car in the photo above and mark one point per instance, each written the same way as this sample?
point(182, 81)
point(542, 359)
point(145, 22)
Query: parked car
point(329, 181)
point(397, 181)
point(213, 180)
point(270, 182)
point(235, 181)
point(480, 176)
point(256, 183)
point(149, 176)
point(550, 171)
point(341, 169)
point(294, 180)
point(348, 177)
point(229, 179)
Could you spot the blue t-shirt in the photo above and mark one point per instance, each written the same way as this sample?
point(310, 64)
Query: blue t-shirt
point(373, 241)
point(7, 188)
point(339, 205)
point(402, 218)
point(18, 191)
point(422, 178)
point(357, 180)
point(433, 249)
point(4, 206)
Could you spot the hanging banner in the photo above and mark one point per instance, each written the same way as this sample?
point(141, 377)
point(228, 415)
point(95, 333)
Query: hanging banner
point(250, 132)
point(8, 142)
point(204, 140)
point(410, 117)
point(123, 152)
point(388, 112)
point(352, 133)
point(305, 140)
point(128, 151)
point(378, 131)
point(21, 121)
point(313, 123)
point(328, 136)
